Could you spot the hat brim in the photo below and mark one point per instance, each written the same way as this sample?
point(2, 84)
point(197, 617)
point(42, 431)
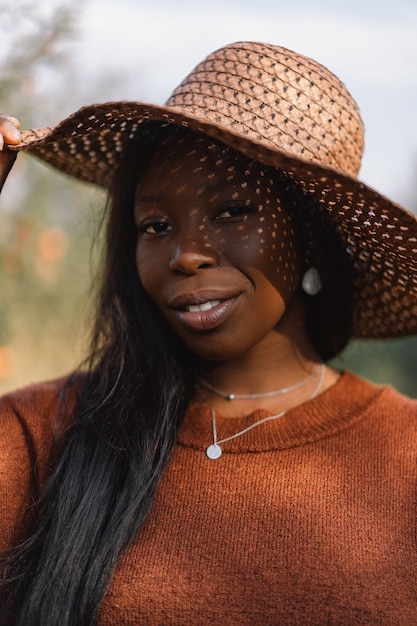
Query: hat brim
point(380, 235)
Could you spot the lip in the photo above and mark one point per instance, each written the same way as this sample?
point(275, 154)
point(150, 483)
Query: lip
point(203, 319)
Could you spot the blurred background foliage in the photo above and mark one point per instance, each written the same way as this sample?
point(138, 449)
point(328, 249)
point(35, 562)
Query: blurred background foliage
point(48, 222)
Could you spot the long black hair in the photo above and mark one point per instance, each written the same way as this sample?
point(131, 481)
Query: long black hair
point(137, 385)
point(133, 397)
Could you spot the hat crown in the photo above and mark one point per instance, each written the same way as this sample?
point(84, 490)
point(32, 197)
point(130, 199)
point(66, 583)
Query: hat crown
point(279, 98)
point(283, 110)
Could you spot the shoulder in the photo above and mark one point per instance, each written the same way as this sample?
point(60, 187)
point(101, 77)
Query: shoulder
point(398, 408)
point(391, 400)
point(377, 394)
point(36, 406)
point(385, 409)
point(29, 422)
point(28, 434)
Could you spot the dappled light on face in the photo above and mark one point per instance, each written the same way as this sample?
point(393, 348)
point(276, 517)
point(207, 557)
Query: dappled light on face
point(211, 227)
point(212, 235)
point(250, 183)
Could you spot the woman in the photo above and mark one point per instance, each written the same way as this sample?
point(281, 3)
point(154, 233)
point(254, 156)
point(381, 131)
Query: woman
point(208, 466)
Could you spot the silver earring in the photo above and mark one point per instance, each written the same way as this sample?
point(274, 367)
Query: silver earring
point(311, 282)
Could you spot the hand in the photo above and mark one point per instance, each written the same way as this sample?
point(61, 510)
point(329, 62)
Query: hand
point(9, 135)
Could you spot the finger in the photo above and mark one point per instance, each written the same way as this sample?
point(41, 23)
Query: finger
point(11, 134)
point(11, 119)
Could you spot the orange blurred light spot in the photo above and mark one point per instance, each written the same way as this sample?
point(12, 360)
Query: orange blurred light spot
point(7, 361)
point(52, 244)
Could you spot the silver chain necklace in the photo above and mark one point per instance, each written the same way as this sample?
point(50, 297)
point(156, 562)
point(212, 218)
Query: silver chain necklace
point(249, 396)
point(214, 450)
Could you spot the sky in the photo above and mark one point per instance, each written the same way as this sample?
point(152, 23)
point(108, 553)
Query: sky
point(142, 49)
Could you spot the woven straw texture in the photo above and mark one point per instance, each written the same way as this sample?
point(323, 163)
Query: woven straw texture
point(285, 110)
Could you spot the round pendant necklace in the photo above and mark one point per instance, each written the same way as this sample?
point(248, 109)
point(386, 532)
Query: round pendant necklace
point(214, 450)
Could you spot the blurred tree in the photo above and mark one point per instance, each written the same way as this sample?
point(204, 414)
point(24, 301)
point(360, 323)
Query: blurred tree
point(46, 222)
point(392, 361)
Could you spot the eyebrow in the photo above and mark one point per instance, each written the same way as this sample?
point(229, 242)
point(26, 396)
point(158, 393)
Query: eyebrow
point(150, 197)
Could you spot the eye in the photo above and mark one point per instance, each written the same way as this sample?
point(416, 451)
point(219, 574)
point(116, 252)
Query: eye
point(155, 227)
point(235, 212)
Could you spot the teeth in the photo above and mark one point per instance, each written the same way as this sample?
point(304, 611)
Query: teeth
point(206, 306)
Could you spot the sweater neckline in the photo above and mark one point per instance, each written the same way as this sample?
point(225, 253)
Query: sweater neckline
point(343, 404)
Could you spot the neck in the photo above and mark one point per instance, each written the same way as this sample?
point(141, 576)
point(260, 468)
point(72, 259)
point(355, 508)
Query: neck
point(273, 364)
point(283, 358)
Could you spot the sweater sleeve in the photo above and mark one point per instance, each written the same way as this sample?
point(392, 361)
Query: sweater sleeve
point(27, 439)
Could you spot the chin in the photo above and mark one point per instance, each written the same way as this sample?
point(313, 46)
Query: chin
point(216, 353)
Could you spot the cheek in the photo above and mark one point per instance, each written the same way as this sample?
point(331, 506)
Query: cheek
point(270, 246)
point(147, 271)
point(280, 249)
point(285, 258)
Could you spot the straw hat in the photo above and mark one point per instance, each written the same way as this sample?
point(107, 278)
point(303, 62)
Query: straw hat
point(285, 110)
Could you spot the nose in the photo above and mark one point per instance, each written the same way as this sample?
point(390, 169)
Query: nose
point(193, 253)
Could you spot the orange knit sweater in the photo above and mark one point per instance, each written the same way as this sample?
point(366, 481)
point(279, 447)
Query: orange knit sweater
point(306, 520)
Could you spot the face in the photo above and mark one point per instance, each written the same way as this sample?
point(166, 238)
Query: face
point(215, 251)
